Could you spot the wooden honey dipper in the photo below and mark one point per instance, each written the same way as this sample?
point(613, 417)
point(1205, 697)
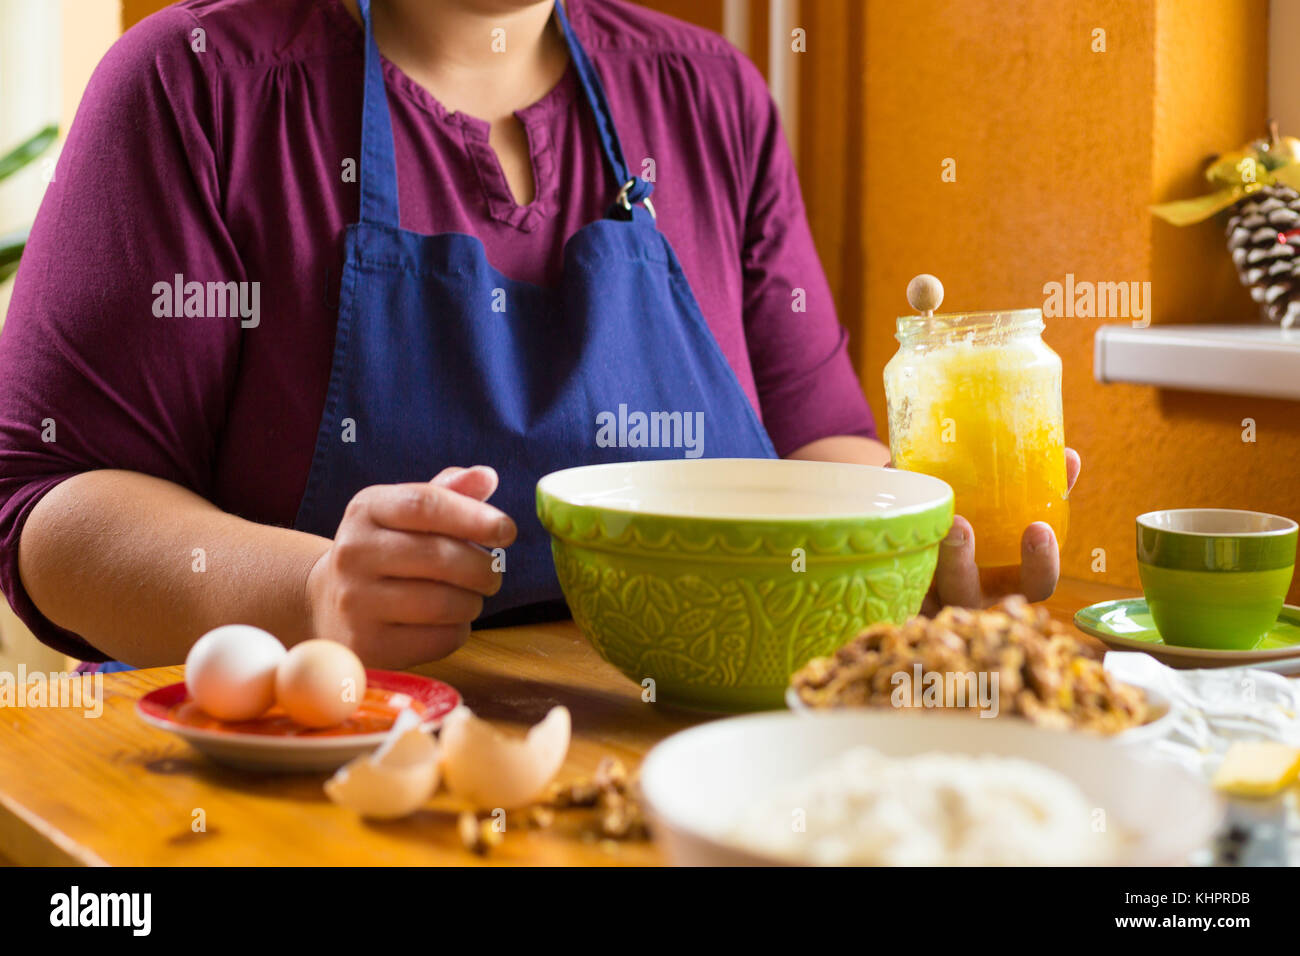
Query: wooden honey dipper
point(925, 294)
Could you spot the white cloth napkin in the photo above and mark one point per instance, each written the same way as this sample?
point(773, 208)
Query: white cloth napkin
point(1211, 709)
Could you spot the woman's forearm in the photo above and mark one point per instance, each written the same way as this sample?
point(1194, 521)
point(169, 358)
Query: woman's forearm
point(141, 567)
point(847, 448)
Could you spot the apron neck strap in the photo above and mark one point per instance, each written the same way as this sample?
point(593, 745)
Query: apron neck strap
point(378, 159)
point(633, 189)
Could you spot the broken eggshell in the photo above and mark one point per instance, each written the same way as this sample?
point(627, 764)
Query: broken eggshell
point(394, 781)
point(490, 769)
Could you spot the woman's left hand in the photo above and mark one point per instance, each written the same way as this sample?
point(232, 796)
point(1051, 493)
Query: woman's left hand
point(958, 581)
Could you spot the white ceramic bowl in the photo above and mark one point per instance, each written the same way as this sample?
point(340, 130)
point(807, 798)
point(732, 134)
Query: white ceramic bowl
point(696, 782)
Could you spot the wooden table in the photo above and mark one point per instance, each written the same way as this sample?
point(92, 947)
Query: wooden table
point(114, 791)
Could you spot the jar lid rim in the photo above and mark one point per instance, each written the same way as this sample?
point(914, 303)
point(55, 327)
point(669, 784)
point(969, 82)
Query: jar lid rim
point(948, 317)
point(1006, 319)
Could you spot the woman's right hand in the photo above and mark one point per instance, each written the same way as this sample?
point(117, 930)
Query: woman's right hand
point(404, 578)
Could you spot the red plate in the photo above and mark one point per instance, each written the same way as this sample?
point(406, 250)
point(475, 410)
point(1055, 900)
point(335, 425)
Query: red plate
point(274, 742)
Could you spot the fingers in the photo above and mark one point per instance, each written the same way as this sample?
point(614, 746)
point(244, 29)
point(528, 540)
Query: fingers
point(410, 566)
point(931, 604)
point(956, 579)
point(1072, 465)
point(434, 509)
point(426, 603)
point(447, 474)
point(1040, 562)
point(435, 557)
point(375, 604)
point(400, 645)
point(479, 482)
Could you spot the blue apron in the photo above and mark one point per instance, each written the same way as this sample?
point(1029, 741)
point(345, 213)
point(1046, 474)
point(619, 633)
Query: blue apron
point(441, 360)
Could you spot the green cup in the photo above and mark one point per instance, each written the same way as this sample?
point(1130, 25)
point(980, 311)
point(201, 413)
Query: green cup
point(1215, 578)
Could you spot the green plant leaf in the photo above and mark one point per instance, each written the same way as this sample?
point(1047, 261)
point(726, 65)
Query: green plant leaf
point(11, 250)
point(25, 152)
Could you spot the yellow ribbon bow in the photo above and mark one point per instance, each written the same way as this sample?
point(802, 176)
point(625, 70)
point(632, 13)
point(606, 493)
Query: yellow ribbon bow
point(1238, 174)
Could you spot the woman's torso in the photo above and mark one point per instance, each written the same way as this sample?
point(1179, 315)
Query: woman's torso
point(289, 128)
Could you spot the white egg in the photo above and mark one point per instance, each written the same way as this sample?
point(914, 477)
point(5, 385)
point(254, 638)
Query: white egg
point(394, 781)
point(320, 683)
point(230, 671)
point(490, 769)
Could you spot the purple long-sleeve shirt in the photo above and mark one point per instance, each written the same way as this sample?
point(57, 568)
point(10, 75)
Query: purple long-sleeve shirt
point(224, 155)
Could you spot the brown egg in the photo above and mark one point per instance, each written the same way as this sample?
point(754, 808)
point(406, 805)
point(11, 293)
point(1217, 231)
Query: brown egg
point(320, 683)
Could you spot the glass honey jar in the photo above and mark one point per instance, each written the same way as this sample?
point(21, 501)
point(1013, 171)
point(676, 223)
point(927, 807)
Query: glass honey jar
point(975, 399)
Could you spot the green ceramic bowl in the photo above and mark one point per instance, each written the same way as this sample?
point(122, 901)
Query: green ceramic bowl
point(716, 579)
point(1215, 578)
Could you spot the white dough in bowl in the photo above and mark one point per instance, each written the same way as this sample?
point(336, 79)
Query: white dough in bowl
point(931, 809)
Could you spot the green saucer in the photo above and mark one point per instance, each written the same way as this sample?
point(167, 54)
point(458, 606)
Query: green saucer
point(1125, 625)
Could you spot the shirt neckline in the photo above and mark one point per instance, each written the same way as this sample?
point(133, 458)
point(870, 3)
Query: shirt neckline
point(474, 132)
point(552, 101)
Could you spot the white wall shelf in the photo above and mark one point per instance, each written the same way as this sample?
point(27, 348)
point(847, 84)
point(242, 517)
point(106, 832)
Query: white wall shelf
point(1234, 359)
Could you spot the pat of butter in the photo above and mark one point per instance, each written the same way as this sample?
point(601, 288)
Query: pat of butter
point(1257, 768)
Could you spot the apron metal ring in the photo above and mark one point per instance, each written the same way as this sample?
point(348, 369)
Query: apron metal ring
point(621, 199)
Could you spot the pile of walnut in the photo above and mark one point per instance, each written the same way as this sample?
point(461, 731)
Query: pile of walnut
point(608, 799)
point(1044, 672)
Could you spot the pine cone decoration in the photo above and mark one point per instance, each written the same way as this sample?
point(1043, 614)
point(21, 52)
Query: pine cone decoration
point(1264, 242)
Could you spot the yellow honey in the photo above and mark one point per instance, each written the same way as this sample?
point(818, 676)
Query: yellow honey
point(975, 399)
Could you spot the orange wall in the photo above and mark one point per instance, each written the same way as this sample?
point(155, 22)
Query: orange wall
point(133, 11)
